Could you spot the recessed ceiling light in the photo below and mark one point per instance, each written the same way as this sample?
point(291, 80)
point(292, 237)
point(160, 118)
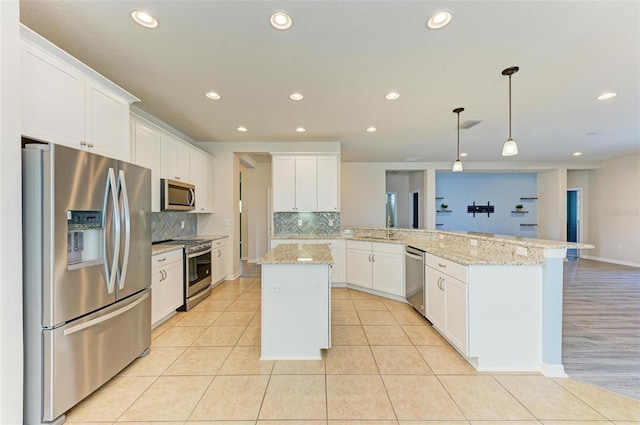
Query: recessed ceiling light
point(607, 95)
point(280, 21)
point(463, 154)
point(242, 129)
point(439, 19)
point(213, 95)
point(371, 129)
point(392, 96)
point(296, 96)
point(301, 129)
point(577, 153)
point(145, 19)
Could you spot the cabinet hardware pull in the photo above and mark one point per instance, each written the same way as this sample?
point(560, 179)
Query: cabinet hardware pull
point(373, 258)
point(442, 265)
point(90, 145)
point(161, 259)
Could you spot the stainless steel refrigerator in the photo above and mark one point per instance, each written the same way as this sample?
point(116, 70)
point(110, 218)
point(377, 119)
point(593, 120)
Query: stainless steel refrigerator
point(87, 274)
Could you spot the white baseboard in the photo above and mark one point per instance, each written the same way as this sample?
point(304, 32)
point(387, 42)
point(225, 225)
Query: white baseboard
point(252, 260)
point(553, 370)
point(611, 260)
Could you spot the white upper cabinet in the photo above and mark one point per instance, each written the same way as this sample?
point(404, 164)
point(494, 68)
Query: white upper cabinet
point(328, 172)
point(175, 159)
point(68, 103)
point(201, 178)
point(52, 99)
point(283, 173)
point(305, 183)
point(106, 122)
point(146, 142)
point(306, 178)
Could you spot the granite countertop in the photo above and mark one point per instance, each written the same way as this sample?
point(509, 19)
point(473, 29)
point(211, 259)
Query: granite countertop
point(302, 237)
point(162, 248)
point(298, 254)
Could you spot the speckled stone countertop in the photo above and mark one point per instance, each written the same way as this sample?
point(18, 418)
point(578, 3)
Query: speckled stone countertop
point(298, 254)
point(489, 249)
point(162, 248)
point(166, 247)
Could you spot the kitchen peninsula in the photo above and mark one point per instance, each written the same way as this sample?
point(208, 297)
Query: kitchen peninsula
point(296, 302)
point(497, 299)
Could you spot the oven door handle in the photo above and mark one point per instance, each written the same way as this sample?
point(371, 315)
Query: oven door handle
point(199, 253)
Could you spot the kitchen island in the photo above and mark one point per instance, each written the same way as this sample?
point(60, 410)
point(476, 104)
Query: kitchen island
point(497, 299)
point(296, 302)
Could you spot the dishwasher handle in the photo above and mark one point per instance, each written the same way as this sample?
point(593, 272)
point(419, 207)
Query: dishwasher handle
point(413, 256)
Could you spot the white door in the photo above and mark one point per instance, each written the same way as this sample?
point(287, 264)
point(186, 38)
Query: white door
point(435, 297)
point(328, 183)
point(388, 273)
point(283, 173)
point(147, 154)
point(359, 268)
point(456, 313)
point(306, 183)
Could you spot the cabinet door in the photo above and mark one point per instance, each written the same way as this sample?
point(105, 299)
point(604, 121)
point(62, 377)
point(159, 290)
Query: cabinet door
point(200, 177)
point(306, 183)
point(146, 141)
point(221, 257)
point(283, 173)
point(174, 157)
point(435, 307)
point(106, 122)
point(456, 313)
point(328, 183)
point(337, 253)
point(388, 273)
point(52, 99)
point(359, 269)
point(157, 303)
point(173, 287)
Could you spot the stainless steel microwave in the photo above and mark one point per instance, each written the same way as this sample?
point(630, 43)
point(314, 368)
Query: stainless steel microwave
point(177, 196)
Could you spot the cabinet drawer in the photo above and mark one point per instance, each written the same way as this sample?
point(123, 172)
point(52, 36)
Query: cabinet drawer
point(219, 243)
point(366, 246)
point(389, 248)
point(165, 258)
point(455, 270)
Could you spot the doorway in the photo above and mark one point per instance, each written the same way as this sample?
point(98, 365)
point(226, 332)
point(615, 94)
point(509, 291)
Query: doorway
point(414, 207)
point(574, 213)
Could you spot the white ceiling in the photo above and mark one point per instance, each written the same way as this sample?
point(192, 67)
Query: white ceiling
point(344, 56)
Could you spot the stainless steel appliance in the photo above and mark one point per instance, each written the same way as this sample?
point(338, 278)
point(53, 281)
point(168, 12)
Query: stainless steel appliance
point(177, 196)
point(414, 274)
point(86, 274)
point(197, 270)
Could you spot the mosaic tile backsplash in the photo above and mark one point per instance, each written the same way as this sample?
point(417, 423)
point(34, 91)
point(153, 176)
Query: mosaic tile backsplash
point(168, 225)
point(313, 223)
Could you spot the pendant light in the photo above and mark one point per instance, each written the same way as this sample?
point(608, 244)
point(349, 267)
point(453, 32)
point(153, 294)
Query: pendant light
point(510, 148)
point(457, 165)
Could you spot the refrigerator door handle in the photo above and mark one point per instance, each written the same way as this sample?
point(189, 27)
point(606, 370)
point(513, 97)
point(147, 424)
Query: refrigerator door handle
point(111, 189)
point(122, 188)
point(104, 318)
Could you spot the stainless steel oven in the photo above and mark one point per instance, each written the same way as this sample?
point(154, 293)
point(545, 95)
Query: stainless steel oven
point(197, 272)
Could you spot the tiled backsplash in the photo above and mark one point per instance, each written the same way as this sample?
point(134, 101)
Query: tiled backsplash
point(313, 223)
point(168, 225)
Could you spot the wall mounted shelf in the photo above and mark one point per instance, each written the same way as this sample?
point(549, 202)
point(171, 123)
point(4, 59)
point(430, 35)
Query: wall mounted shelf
point(439, 197)
point(444, 211)
point(528, 198)
point(528, 224)
point(439, 224)
point(519, 212)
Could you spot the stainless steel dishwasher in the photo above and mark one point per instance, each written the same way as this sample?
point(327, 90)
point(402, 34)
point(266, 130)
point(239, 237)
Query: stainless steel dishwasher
point(414, 274)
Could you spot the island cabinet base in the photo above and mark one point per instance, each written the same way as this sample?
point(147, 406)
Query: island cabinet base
point(296, 311)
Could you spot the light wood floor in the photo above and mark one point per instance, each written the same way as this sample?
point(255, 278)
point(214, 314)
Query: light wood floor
point(601, 325)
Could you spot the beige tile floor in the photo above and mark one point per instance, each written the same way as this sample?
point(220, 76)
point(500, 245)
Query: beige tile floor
point(387, 366)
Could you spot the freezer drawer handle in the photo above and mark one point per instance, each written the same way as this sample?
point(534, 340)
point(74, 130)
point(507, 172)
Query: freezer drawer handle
point(104, 318)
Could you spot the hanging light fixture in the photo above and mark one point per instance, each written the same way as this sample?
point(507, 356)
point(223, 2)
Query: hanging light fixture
point(510, 147)
point(457, 165)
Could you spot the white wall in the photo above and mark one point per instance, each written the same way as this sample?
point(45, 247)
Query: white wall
point(246, 210)
point(552, 204)
point(225, 182)
point(10, 217)
point(256, 197)
point(613, 208)
point(363, 188)
point(398, 183)
point(417, 184)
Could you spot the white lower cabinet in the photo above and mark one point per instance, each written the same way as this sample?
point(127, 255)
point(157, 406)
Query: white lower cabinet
point(219, 260)
point(167, 285)
point(377, 266)
point(447, 300)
